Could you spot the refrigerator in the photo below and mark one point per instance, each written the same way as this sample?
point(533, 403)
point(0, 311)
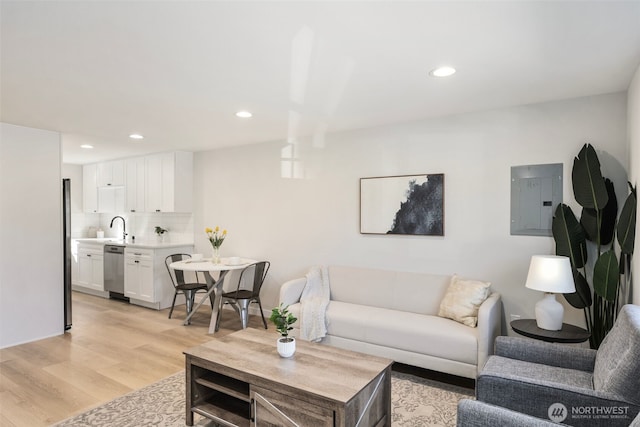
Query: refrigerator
point(66, 252)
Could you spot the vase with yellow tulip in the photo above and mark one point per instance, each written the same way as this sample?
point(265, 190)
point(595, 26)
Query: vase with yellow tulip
point(216, 237)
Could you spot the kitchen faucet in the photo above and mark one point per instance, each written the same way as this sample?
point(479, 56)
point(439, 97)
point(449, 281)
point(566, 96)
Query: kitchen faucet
point(124, 226)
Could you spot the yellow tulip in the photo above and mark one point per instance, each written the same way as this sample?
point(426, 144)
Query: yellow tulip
point(224, 232)
point(208, 230)
point(217, 229)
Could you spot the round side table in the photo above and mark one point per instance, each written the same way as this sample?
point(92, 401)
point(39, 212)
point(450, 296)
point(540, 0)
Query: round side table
point(568, 333)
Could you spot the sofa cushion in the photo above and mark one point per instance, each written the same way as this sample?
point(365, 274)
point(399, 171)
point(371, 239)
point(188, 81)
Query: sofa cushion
point(424, 334)
point(404, 291)
point(463, 299)
point(617, 366)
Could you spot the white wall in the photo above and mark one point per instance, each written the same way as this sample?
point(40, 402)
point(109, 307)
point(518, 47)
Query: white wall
point(296, 223)
point(633, 120)
point(31, 283)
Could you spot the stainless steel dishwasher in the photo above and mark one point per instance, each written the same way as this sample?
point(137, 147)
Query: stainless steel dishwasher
point(114, 271)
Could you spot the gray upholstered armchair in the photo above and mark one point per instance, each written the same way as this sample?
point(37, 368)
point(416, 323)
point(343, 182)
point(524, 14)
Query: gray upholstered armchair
point(472, 413)
point(542, 379)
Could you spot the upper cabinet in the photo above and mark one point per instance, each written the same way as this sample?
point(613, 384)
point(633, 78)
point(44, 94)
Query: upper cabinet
point(111, 199)
point(110, 173)
point(169, 182)
point(89, 188)
point(134, 184)
point(155, 183)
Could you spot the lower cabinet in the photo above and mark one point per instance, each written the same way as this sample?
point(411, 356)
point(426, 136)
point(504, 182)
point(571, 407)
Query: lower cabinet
point(146, 279)
point(138, 274)
point(89, 265)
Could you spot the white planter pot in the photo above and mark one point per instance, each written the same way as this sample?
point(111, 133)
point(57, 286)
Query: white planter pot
point(286, 349)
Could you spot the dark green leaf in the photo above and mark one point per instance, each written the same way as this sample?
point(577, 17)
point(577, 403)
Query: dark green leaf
point(581, 298)
point(589, 219)
point(588, 185)
point(569, 236)
point(627, 224)
point(606, 276)
point(609, 214)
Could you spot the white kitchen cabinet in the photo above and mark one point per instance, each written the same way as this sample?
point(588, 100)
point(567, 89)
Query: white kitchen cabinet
point(138, 274)
point(135, 184)
point(102, 193)
point(110, 199)
point(90, 268)
point(110, 173)
point(169, 182)
point(89, 188)
point(75, 267)
point(146, 279)
point(155, 183)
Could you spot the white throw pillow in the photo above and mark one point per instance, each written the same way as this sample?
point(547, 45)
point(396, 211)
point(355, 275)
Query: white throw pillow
point(462, 300)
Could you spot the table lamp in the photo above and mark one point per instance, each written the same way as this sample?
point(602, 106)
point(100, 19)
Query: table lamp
point(550, 274)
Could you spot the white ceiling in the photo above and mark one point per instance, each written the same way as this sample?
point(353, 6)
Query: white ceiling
point(177, 71)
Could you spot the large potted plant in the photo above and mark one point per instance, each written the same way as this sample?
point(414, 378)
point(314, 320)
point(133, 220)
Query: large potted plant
point(283, 319)
point(595, 235)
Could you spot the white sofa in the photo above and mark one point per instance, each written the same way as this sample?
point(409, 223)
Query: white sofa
point(395, 315)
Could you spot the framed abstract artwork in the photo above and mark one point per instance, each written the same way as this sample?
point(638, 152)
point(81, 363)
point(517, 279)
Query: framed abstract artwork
point(407, 204)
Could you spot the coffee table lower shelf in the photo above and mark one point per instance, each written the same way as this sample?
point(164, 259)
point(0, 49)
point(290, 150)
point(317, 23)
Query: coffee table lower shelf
point(220, 398)
point(223, 415)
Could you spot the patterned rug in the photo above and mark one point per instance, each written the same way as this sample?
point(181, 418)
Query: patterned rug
point(415, 402)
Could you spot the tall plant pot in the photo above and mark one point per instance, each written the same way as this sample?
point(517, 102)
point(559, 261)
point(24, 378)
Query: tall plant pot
point(286, 346)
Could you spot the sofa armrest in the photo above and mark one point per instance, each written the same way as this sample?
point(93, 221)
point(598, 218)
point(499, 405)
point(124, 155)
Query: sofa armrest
point(291, 291)
point(545, 353)
point(472, 413)
point(489, 327)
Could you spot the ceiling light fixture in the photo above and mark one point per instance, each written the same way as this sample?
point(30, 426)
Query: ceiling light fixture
point(442, 72)
point(136, 136)
point(87, 146)
point(244, 114)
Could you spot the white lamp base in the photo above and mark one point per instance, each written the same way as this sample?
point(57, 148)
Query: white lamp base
point(549, 313)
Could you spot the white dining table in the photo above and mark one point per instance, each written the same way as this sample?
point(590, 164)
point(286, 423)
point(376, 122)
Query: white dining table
point(214, 286)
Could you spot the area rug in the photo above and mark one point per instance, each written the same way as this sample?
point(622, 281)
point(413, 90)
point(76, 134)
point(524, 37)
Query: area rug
point(415, 401)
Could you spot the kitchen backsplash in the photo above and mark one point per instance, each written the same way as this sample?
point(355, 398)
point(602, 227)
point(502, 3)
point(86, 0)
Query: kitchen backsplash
point(140, 225)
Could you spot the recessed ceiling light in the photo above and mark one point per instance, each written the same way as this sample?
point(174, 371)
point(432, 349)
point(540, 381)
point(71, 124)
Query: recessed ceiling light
point(136, 136)
point(244, 114)
point(87, 146)
point(442, 72)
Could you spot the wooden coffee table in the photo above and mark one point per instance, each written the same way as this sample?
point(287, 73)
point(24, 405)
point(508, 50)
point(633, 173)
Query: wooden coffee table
point(240, 380)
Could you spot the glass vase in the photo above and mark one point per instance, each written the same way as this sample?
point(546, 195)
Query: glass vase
point(215, 258)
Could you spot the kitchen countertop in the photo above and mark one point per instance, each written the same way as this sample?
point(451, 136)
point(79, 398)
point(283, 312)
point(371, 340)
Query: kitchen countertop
point(148, 244)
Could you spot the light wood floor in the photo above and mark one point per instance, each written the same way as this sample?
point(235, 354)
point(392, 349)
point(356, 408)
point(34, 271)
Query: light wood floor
point(113, 348)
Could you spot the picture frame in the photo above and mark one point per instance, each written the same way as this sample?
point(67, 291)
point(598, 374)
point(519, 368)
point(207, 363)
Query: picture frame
point(403, 204)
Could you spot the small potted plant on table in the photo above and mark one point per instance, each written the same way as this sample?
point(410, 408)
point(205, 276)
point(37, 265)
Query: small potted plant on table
point(283, 320)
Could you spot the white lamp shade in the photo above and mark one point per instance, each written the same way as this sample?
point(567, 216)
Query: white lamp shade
point(550, 273)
